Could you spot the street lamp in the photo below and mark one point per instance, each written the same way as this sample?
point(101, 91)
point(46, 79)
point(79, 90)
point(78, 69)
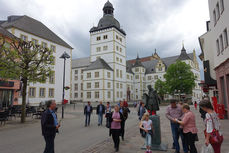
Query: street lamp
point(64, 56)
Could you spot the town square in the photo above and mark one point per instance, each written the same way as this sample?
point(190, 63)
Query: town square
point(110, 76)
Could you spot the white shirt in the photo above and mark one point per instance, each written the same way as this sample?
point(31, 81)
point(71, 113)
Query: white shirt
point(147, 124)
point(210, 119)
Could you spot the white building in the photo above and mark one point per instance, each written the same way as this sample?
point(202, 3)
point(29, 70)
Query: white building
point(107, 76)
point(29, 29)
point(215, 51)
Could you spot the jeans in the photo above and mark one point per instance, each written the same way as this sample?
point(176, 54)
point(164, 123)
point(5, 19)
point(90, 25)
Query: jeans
point(100, 119)
point(176, 133)
point(115, 136)
point(87, 119)
point(49, 144)
point(148, 139)
point(190, 140)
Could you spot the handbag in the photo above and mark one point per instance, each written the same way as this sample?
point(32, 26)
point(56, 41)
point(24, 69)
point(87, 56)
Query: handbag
point(143, 133)
point(215, 137)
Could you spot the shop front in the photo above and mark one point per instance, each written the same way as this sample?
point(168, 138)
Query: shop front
point(9, 93)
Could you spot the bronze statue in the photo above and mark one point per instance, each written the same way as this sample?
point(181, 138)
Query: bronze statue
point(151, 100)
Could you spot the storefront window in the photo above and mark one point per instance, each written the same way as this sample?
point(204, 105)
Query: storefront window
point(6, 98)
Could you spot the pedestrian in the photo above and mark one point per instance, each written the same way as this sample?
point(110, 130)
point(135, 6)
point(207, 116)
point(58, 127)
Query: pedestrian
point(107, 114)
point(195, 105)
point(146, 125)
point(141, 111)
point(125, 104)
point(49, 126)
point(212, 126)
point(100, 111)
point(189, 128)
point(124, 110)
point(175, 112)
point(115, 129)
point(87, 112)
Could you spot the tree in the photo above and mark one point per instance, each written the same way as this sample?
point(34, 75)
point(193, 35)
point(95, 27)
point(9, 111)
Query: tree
point(161, 88)
point(26, 62)
point(179, 77)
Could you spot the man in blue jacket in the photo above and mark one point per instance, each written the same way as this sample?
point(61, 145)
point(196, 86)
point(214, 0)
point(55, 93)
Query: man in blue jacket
point(49, 126)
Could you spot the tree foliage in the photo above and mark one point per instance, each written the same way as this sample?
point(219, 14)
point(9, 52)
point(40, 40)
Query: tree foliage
point(161, 88)
point(179, 77)
point(26, 62)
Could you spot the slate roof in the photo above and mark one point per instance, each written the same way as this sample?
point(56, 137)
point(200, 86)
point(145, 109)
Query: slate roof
point(138, 63)
point(99, 64)
point(81, 62)
point(183, 55)
point(30, 25)
point(6, 33)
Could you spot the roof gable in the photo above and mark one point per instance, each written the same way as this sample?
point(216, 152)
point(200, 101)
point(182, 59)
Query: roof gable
point(99, 64)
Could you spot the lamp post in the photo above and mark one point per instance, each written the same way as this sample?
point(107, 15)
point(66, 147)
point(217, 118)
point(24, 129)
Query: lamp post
point(64, 56)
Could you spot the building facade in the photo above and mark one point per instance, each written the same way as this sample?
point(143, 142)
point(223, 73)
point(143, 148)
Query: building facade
point(215, 50)
point(29, 29)
point(107, 76)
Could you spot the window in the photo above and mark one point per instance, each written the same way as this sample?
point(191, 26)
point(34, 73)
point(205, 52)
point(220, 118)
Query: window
point(96, 74)
point(96, 84)
point(88, 95)
point(81, 86)
point(81, 95)
point(98, 49)
point(136, 76)
point(76, 95)
point(222, 5)
point(120, 73)
point(217, 47)
point(32, 92)
point(120, 39)
point(156, 77)
point(149, 77)
point(160, 69)
point(120, 85)
point(217, 11)
point(221, 43)
point(117, 48)
point(105, 48)
point(89, 75)
point(51, 93)
point(76, 71)
point(52, 78)
point(117, 94)
point(53, 48)
point(44, 45)
point(143, 70)
point(120, 49)
point(225, 38)
point(76, 77)
point(120, 60)
point(116, 36)
point(127, 76)
point(214, 17)
point(24, 37)
point(76, 86)
point(81, 70)
point(108, 94)
point(117, 73)
point(98, 38)
point(96, 94)
point(88, 85)
point(108, 85)
point(136, 69)
point(117, 59)
point(35, 41)
point(108, 74)
point(117, 85)
point(42, 92)
point(105, 37)
point(81, 77)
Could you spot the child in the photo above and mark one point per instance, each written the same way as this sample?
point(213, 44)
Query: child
point(146, 125)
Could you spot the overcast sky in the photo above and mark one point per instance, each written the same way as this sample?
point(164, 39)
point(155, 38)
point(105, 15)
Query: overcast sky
point(149, 24)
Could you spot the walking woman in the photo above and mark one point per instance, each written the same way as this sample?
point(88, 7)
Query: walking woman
point(189, 128)
point(115, 129)
point(146, 125)
point(212, 126)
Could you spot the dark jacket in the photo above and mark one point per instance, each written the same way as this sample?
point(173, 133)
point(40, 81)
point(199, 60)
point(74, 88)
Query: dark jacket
point(47, 124)
point(103, 109)
point(85, 109)
point(111, 120)
point(125, 112)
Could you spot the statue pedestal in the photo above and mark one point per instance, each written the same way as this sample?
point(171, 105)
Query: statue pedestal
point(156, 138)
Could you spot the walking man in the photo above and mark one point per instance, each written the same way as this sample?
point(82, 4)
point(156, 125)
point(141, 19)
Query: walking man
point(107, 114)
point(174, 111)
point(49, 126)
point(124, 111)
point(87, 112)
point(100, 111)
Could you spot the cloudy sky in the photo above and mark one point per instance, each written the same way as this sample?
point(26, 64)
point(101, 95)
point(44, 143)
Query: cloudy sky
point(149, 24)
